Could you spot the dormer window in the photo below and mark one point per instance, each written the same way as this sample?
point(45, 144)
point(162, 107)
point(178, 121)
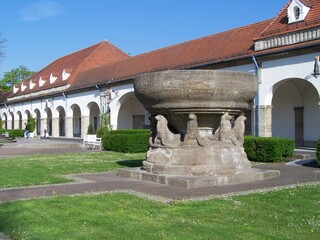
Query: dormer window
point(41, 81)
point(66, 73)
point(23, 87)
point(53, 77)
point(31, 84)
point(15, 89)
point(297, 11)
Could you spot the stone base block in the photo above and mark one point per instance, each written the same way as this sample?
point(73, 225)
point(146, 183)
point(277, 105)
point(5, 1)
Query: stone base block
point(189, 182)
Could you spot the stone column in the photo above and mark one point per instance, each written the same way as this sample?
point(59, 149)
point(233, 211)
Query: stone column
point(299, 134)
point(265, 129)
point(16, 124)
point(55, 127)
point(9, 124)
point(69, 127)
point(85, 121)
point(248, 122)
point(43, 124)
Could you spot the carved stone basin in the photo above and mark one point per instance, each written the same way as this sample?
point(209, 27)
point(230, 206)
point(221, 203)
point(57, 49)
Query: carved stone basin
point(201, 91)
point(197, 127)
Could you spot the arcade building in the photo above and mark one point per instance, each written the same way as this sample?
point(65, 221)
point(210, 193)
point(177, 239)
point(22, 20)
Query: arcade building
point(80, 89)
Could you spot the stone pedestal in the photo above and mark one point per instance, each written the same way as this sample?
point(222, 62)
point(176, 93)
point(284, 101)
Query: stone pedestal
point(190, 182)
point(265, 129)
point(216, 159)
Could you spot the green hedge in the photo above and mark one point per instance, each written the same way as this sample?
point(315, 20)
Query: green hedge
point(318, 152)
point(13, 133)
point(127, 141)
point(262, 149)
point(258, 149)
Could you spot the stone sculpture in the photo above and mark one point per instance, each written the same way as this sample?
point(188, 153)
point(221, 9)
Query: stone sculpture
point(164, 136)
point(225, 133)
point(192, 132)
point(196, 103)
point(238, 131)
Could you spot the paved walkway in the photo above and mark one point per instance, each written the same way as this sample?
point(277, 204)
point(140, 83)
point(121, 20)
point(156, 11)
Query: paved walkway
point(291, 174)
point(39, 146)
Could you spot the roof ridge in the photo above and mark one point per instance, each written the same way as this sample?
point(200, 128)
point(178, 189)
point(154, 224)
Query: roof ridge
point(200, 38)
point(274, 19)
point(82, 62)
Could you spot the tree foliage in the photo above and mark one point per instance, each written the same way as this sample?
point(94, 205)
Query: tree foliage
point(15, 76)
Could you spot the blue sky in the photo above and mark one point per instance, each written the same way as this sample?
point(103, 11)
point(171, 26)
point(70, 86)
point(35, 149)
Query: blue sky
point(40, 31)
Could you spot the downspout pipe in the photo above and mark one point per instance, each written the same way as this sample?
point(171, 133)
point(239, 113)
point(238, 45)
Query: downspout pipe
point(256, 100)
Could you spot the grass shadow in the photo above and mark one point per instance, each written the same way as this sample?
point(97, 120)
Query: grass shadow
point(130, 163)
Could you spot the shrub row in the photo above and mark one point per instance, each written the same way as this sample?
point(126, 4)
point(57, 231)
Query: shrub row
point(259, 149)
point(263, 149)
point(127, 141)
point(318, 152)
point(13, 133)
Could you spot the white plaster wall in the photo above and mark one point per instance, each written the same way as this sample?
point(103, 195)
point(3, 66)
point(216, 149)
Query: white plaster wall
point(117, 99)
point(311, 116)
point(82, 100)
point(283, 118)
point(277, 70)
point(131, 106)
point(248, 68)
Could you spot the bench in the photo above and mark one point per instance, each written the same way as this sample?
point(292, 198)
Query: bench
point(91, 140)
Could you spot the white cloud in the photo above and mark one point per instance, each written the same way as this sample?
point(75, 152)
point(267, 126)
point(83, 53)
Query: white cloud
point(40, 10)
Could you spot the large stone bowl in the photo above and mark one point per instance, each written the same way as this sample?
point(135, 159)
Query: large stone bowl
point(199, 91)
point(196, 132)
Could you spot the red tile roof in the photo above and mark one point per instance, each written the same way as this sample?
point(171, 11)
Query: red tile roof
point(280, 26)
point(93, 56)
point(226, 45)
point(3, 96)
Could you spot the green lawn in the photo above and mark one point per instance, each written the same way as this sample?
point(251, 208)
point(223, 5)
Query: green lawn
point(286, 214)
point(48, 169)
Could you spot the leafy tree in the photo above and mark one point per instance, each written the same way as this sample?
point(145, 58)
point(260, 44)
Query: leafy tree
point(15, 76)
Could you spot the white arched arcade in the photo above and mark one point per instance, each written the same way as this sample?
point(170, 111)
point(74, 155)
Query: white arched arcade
point(295, 111)
point(129, 112)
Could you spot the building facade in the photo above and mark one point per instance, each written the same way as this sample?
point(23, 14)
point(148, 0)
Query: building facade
point(88, 86)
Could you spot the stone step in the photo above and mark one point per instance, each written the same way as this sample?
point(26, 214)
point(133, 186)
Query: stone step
point(301, 156)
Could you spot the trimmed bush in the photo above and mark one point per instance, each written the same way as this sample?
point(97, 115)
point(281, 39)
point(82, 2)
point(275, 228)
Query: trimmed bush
point(126, 141)
point(90, 129)
point(318, 152)
point(32, 123)
point(13, 133)
point(261, 149)
point(249, 147)
point(101, 131)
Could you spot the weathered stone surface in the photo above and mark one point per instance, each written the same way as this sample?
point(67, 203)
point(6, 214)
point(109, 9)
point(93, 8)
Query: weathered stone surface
point(197, 132)
point(216, 159)
point(195, 91)
point(190, 182)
